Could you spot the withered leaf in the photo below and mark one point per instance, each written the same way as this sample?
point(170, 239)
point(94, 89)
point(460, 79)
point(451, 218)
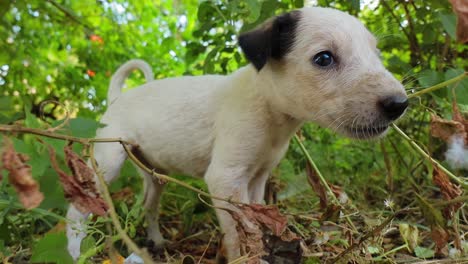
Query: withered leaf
point(458, 117)
point(254, 222)
point(80, 171)
point(267, 216)
point(85, 198)
point(314, 181)
point(448, 189)
point(19, 175)
point(445, 129)
point(440, 237)
point(460, 8)
point(250, 237)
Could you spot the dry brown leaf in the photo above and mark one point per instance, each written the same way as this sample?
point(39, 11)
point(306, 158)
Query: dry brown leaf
point(445, 129)
point(460, 8)
point(254, 222)
point(85, 199)
point(314, 181)
point(458, 117)
point(20, 176)
point(440, 237)
point(266, 215)
point(250, 237)
point(448, 189)
point(80, 171)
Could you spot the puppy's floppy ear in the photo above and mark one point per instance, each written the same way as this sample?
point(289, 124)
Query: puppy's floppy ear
point(272, 39)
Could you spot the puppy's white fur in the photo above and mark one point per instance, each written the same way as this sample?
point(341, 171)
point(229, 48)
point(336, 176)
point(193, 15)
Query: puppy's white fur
point(233, 130)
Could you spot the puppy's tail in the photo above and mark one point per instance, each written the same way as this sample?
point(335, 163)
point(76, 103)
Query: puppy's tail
point(119, 77)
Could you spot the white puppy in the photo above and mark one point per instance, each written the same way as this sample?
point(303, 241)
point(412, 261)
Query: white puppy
point(313, 64)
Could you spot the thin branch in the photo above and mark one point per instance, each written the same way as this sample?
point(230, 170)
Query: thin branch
point(390, 10)
point(69, 14)
point(322, 179)
point(45, 133)
point(125, 144)
point(163, 177)
point(440, 85)
point(427, 156)
point(115, 220)
point(370, 234)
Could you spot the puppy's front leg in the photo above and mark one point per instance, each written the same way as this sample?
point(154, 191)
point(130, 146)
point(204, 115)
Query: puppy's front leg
point(230, 183)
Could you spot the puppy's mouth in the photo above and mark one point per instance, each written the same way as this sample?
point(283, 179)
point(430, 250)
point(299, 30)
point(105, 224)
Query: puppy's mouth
point(366, 132)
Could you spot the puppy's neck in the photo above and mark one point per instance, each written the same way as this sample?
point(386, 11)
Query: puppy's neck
point(253, 87)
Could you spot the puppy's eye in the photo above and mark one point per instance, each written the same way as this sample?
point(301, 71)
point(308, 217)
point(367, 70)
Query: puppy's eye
point(323, 59)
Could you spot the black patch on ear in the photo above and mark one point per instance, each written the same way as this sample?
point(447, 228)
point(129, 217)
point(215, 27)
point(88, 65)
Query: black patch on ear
point(271, 40)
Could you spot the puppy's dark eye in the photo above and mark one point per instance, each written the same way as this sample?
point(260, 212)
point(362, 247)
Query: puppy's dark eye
point(323, 59)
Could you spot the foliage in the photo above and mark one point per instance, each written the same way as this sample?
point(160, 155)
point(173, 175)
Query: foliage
point(67, 50)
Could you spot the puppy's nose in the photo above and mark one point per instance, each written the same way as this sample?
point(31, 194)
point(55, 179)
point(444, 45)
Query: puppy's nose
point(393, 106)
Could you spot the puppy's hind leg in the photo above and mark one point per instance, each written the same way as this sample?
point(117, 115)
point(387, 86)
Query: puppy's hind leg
point(153, 191)
point(110, 157)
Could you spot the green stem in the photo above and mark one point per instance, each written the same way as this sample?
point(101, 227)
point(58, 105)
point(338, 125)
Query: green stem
point(322, 179)
point(113, 214)
point(427, 156)
point(390, 252)
point(440, 85)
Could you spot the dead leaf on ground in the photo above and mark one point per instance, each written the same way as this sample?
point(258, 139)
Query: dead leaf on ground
point(448, 189)
point(19, 175)
point(257, 224)
point(460, 8)
point(78, 188)
point(440, 237)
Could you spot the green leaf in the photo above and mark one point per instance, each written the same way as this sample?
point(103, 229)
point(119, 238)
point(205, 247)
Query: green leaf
point(449, 22)
point(432, 215)
point(461, 88)
point(52, 248)
point(84, 127)
point(422, 252)
point(254, 8)
point(298, 3)
point(373, 250)
point(87, 243)
point(205, 11)
point(6, 103)
point(429, 78)
point(410, 235)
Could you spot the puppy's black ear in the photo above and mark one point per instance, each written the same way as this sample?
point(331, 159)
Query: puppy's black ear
point(273, 39)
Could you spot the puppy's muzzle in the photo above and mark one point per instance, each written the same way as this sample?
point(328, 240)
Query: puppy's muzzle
point(392, 107)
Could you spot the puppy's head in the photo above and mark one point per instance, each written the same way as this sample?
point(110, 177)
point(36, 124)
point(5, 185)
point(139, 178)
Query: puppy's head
point(322, 65)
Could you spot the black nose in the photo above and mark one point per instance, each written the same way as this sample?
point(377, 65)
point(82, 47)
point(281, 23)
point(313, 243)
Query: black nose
point(393, 106)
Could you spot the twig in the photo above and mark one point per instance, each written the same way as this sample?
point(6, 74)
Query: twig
point(367, 236)
point(322, 179)
point(439, 85)
point(170, 179)
point(45, 133)
point(427, 156)
point(107, 197)
point(69, 14)
point(124, 143)
point(388, 166)
point(459, 199)
point(206, 249)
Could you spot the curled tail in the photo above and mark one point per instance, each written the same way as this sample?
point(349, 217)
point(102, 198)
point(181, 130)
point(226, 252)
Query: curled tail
point(119, 77)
